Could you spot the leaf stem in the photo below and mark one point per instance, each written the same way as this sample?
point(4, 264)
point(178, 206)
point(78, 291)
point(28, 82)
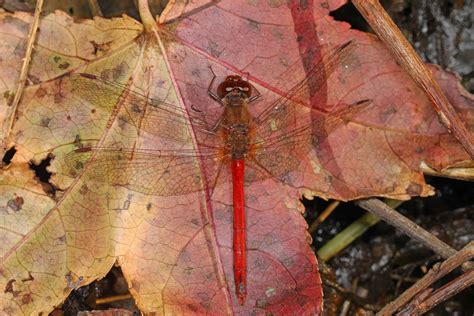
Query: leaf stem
point(148, 21)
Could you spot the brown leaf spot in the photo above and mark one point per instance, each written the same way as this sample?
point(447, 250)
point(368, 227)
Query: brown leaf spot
point(122, 121)
point(84, 189)
point(210, 276)
point(93, 111)
point(9, 96)
point(19, 24)
point(288, 262)
point(29, 278)
point(303, 5)
point(261, 303)
point(414, 189)
point(34, 79)
point(26, 299)
point(20, 49)
point(16, 203)
point(64, 65)
point(387, 114)
point(100, 47)
point(136, 285)
point(214, 48)
point(254, 25)
point(195, 73)
point(77, 141)
point(192, 308)
point(58, 97)
point(275, 3)
point(115, 73)
point(45, 121)
point(9, 288)
point(136, 108)
point(121, 69)
point(41, 92)
point(278, 35)
point(206, 303)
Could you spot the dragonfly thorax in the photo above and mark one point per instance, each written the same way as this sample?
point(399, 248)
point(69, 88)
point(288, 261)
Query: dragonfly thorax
point(238, 140)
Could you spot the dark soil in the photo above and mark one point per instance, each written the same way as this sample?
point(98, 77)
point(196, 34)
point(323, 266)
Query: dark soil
point(383, 263)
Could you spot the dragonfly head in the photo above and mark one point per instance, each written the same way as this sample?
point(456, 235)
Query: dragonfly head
point(235, 89)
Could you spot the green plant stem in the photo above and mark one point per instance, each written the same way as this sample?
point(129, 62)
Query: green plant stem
point(351, 233)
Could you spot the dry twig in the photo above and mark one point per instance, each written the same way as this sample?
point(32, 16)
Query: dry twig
point(441, 295)
point(416, 232)
point(24, 68)
point(322, 217)
point(111, 299)
point(95, 8)
point(426, 299)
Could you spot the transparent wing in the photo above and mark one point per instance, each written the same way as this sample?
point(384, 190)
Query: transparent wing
point(287, 129)
point(285, 112)
point(146, 114)
point(153, 172)
point(282, 133)
point(278, 155)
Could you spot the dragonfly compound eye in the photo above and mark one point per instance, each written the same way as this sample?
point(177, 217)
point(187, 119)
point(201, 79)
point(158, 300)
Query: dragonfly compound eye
point(234, 83)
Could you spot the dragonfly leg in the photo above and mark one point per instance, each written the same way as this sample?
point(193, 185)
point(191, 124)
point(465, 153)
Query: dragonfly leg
point(216, 126)
point(255, 97)
point(209, 89)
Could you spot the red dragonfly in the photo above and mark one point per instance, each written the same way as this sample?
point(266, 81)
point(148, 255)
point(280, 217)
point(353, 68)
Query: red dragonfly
point(256, 147)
